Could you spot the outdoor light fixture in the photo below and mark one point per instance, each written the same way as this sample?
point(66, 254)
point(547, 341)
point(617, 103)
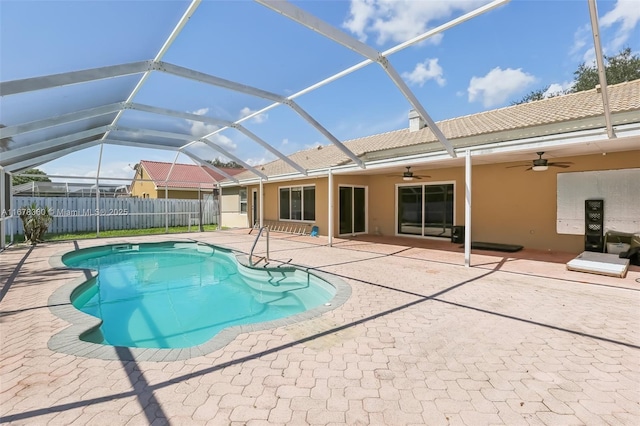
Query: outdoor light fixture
point(539, 168)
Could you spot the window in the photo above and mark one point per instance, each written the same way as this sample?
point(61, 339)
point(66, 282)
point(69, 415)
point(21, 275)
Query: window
point(298, 203)
point(243, 200)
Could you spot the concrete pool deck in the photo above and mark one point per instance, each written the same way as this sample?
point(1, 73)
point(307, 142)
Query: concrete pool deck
point(515, 339)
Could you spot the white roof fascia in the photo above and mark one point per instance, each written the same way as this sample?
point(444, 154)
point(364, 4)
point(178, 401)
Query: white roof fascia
point(32, 126)
point(74, 77)
point(316, 24)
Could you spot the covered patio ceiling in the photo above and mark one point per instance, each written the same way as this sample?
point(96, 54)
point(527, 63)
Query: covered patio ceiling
point(97, 101)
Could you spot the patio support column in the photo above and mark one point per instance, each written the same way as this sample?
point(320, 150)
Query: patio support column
point(12, 204)
point(467, 209)
point(330, 203)
point(98, 192)
point(261, 207)
point(3, 209)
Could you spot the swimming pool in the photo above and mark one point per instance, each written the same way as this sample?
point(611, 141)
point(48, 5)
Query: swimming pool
point(179, 295)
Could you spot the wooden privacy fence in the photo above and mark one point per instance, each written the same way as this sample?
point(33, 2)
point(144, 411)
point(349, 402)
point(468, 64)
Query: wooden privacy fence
point(78, 214)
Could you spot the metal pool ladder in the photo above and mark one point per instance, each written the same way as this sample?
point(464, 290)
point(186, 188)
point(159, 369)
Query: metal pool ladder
point(256, 242)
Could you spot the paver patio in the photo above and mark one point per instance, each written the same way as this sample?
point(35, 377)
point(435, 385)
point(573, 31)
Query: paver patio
point(515, 339)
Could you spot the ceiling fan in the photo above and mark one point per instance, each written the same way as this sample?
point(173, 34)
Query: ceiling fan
point(408, 175)
point(541, 164)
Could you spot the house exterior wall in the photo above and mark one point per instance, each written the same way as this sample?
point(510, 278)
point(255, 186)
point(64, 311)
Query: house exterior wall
point(231, 217)
point(139, 188)
point(509, 205)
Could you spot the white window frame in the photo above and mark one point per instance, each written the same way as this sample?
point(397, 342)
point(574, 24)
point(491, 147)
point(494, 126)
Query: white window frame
point(395, 208)
point(302, 188)
point(245, 202)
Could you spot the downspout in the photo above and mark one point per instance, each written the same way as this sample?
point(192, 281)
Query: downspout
point(602, 76)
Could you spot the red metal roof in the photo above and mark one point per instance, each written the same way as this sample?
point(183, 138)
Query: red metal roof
point(182, 175)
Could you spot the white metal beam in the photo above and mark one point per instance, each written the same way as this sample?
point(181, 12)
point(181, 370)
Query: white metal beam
point(19, 129)
point(252, 91)
point(233, 157)
point(174, 34)
point(34, 149)
point(602, 76)
point(302, 17)
point(325, 132)
point(74, 77)
point(209, 165)
point(45, 158)
point(222, 123)
point(217, 81)
point(270, 148)
point(140, 144)
point(467, 209)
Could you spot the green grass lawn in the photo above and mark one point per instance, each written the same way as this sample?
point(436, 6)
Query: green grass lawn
point(118, 233)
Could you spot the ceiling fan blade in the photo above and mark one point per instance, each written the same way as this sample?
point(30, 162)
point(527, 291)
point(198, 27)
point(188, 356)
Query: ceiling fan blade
point(519, 165)
point(561, 165)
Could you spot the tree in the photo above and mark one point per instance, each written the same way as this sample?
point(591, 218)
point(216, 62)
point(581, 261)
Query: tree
point(534, 95)
point(619, 68)
point(216, 162)
point(19, 180)
point(4, 142)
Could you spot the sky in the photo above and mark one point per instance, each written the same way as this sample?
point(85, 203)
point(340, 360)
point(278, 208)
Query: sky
point(481, 64)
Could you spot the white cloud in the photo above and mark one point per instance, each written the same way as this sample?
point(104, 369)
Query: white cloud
point(557, 88)
point(498, 85)
point(200, 129)
point(260, 118)
point(400, 20)
point(626, 14)
point(427, 70)
point(257, 161)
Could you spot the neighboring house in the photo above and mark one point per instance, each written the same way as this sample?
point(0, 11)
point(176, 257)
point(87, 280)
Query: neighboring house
point(155, 179)
point(510, 204)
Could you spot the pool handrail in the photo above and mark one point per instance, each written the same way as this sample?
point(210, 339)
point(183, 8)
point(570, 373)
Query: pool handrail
point(256, 242)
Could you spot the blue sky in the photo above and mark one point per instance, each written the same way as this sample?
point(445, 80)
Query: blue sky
point(481, 64)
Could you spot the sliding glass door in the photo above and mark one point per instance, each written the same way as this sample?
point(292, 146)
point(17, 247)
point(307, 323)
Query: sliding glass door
point(425, 210)
point(353, 217)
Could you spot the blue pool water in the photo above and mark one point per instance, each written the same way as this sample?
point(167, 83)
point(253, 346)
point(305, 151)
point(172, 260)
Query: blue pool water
point(176, 295)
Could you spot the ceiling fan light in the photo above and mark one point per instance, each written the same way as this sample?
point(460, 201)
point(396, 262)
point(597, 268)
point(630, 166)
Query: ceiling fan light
point(539, 168)
point(407, 178)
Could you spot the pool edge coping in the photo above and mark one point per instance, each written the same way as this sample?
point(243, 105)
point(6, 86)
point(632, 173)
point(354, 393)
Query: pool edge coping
point(68, 341)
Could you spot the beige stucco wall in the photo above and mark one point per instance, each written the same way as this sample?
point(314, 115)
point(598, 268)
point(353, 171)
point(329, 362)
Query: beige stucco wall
point(231, 216)
point(509, 205)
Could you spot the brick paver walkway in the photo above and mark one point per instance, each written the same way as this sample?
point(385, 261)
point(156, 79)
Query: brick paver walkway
point(422, 340)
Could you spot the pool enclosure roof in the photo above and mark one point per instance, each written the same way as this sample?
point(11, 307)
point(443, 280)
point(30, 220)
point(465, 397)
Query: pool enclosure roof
point(129, 88)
